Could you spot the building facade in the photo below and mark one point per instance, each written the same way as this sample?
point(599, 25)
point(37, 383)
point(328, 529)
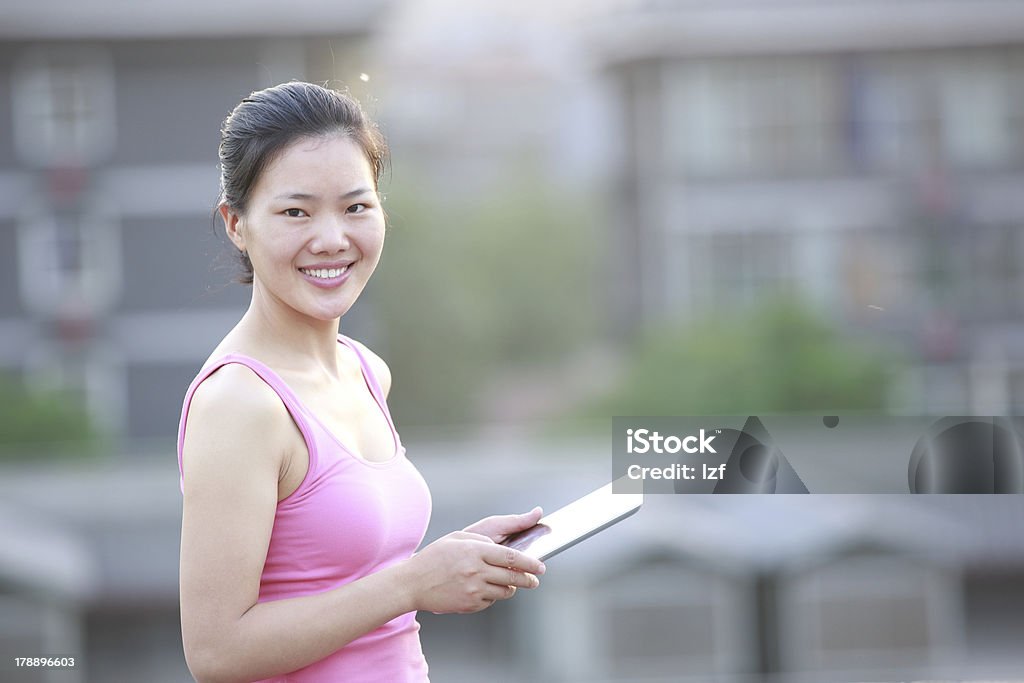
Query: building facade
point(117, 280)
point(865, 156)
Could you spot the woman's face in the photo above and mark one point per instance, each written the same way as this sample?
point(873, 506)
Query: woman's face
point(314, 228)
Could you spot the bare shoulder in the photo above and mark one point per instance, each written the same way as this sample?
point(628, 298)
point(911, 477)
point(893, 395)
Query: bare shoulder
point(236, 422)
point(380, 368)
point(234, 448)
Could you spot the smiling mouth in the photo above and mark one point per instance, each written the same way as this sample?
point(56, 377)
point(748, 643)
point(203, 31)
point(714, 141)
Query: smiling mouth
point(325, 273)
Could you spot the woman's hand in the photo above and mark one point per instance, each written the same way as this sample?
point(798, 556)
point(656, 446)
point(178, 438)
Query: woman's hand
point(466, 572)
point(499, 527)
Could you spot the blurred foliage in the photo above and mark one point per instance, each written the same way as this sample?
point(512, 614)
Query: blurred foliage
point(37, 422)
point(779, 358)
point(473, 284)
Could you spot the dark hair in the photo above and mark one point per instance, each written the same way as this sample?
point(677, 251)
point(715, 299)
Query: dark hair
point(264, 123)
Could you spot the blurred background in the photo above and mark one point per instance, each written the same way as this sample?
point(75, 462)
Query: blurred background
point(614, 207)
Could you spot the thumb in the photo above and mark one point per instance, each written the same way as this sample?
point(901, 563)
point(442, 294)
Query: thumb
point(530, 518)
point(507, 525)
point(497, 527)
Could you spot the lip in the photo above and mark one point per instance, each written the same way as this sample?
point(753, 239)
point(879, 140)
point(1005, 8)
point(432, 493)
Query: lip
point(329, 283)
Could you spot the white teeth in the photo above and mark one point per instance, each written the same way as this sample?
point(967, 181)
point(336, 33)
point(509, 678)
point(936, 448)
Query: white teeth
point(324, 273)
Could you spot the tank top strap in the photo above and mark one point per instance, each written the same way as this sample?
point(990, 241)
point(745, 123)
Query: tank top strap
point(291, 402)
point(372, 382)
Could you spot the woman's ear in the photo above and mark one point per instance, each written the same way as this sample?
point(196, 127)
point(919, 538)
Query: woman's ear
point(232, 225)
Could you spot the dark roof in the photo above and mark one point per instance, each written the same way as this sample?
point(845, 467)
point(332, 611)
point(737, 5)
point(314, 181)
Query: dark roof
point(28, 19)
point(629, 30)
point(109, 531)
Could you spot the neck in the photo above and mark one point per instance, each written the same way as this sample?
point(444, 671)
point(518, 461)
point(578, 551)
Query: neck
point(292, 340)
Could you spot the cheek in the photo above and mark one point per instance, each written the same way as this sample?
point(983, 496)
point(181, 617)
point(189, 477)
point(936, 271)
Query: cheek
point(271, 251)
point(277, 244)
point(373, 242)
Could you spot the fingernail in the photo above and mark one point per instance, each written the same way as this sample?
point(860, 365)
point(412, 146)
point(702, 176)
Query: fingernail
point(543, 568)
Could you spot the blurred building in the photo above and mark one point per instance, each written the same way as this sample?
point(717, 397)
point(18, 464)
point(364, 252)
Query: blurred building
point(866, 155)
point(115, 283)
point(737, 589)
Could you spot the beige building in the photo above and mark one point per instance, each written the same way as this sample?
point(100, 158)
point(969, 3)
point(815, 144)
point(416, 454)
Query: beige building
point(865, 155)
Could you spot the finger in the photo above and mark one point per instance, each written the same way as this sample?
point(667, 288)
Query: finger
point(482, 526)
point(509, 524)
point(495, 593)
point(503, 525)
point(515, 523)
point(501, 556)
point(503, 576)
point(473, 536)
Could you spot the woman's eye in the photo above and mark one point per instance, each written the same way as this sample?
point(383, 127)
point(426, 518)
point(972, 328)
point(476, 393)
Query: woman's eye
point(357, 208)
point(294, 213)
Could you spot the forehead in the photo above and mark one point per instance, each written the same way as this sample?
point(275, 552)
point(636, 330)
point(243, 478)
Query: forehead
point(329, 162)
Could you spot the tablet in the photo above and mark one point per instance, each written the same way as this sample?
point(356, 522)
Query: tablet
point(575, 522)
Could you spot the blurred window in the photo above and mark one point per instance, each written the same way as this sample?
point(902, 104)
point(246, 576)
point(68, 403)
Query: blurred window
point(752, 116)
point(976, 111)
point(744, 267)
point(879, 111)
point(996, 278)
point(668, 621)
point(69, 260)
point(891, 109)
point(963, 109)
point(662, 639)
point(869, 612)
point(64, 106)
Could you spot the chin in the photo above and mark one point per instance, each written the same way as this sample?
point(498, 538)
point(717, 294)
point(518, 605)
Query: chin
point(327, 308)
point(333, 312)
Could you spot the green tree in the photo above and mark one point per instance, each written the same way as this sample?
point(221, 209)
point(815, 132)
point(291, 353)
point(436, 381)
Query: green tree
point(470, 285)
point(43, 421)
point(781, 358)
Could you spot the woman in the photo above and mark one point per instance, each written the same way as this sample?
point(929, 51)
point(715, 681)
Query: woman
point(301, 513)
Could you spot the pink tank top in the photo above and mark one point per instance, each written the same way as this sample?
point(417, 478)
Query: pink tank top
point(348, 518)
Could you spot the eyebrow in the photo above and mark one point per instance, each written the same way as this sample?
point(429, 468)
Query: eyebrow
point(303, 195)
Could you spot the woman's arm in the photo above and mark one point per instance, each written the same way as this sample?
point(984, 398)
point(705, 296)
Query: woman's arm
point(238, 435)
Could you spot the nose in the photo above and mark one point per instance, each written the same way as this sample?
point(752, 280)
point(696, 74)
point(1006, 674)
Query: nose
point(331, 237)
